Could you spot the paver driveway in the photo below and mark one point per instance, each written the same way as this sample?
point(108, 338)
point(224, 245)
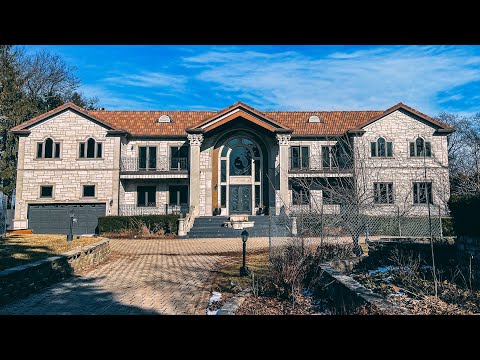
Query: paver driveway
point(141, 277)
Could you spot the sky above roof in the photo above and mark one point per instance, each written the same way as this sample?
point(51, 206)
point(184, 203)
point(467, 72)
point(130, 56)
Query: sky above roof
point(430, 79)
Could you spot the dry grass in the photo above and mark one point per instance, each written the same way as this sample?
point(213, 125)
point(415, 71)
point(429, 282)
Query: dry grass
point(227, 278)
point(18, 250)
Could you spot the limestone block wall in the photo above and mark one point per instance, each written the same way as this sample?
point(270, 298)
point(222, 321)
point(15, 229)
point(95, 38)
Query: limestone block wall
point(402, 170)
point(68, 173)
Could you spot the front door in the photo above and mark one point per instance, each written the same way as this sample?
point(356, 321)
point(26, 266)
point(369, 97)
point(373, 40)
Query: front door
point(240, 199)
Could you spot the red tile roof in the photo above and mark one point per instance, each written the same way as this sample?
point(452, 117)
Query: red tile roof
point(140, 123)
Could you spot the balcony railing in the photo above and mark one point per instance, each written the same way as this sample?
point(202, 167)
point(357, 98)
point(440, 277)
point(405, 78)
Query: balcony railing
point(158, 164)
point(130, 210)
point(298, 164)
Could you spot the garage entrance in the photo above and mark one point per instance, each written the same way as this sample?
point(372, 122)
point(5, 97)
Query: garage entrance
point(55, 218)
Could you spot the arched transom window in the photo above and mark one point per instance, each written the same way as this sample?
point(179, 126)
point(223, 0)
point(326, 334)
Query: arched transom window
point(381, 148)
point(48, 149)
point(420, 148)
point(90, 149)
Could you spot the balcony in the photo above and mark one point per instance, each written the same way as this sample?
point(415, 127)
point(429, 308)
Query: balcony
point(301, 167)
point(160, 167)
point(131, 210)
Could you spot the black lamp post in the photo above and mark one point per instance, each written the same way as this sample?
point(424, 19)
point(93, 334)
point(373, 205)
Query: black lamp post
point(72, 220)
point(244, 270)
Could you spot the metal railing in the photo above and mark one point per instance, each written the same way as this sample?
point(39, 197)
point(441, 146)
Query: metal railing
point(159, 164)
point(132, 210)
point(314, 164)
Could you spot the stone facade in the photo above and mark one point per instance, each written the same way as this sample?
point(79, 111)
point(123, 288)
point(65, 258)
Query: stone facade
point(116, 186)
point(68, 173)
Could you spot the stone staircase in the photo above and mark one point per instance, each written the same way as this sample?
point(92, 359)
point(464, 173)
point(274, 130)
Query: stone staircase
point(211, 227)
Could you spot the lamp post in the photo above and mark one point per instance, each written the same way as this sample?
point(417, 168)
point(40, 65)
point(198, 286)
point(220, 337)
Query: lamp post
point(72, 220)
point(244, 270)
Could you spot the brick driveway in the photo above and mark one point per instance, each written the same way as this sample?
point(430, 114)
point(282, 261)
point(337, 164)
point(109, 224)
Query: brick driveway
point(141, 277)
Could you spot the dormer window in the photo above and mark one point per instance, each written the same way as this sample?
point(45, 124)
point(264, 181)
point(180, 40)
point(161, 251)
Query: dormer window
point(48, 149)
point(420, 148)
point(90, 149)
point(381, 148)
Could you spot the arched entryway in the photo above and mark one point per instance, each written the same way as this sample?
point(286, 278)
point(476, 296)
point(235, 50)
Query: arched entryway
point(240, 175)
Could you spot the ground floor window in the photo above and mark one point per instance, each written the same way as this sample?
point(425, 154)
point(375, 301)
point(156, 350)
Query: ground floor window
point(300, 195)
point(383, 193)
point(422, 192)
point(178, 195)
point(146, 196)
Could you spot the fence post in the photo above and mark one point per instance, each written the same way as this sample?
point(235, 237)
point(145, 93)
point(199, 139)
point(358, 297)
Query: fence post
point(398, 220)
point(440, 222)
point(269, 236)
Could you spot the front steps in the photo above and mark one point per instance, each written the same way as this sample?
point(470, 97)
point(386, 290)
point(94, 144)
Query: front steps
point(211, 227)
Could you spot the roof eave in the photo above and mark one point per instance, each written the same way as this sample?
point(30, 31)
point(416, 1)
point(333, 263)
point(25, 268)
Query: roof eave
point(21, 132)
point(355, 132)
point(444, 131)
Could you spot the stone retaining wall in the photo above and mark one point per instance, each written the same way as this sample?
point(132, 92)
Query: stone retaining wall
point(21, 281)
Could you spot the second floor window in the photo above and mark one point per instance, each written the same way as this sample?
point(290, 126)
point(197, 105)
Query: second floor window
point(179, 157)
point(147, 157)
point(90, 149)
point(383, 193)
point(299, 157)
point(422, 193)
point(48, 150)
point(381, 148)
point(420, 148)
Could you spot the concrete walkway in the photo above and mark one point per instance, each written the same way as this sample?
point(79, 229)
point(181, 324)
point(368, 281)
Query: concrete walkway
point(141, 277)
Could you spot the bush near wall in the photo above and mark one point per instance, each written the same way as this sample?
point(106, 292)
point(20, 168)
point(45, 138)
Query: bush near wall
point(156, 223)
point(465, 211)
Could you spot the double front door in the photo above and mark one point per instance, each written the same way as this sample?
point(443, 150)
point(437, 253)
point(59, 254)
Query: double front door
point(240, 199)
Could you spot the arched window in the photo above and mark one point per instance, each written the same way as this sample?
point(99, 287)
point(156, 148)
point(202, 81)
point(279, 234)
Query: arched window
point(420, 148)
point(381, 148)
point(48, 149)
point(90, 149)
point(240, 161)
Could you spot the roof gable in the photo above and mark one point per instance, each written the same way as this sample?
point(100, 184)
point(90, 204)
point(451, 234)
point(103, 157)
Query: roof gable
point(24, 128)
point(239, 109)
point(439, 126)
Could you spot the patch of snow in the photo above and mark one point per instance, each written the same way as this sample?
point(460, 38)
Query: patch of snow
point(381, 270)
point(388, 279)
point(216, 297)
point(212, 312)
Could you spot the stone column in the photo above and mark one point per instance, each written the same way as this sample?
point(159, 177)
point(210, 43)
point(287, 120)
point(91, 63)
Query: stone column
point(20, 216)
point(283, 145)
point(195, 144)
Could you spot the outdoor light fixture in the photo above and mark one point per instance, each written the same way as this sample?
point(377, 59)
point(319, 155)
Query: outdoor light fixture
point(72, 220)
point(244, 270)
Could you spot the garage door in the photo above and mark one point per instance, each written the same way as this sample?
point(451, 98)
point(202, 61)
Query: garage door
point(55, 218)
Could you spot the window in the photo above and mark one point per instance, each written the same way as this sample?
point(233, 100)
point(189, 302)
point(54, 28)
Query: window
point(147, 158)
point(326, 157)
point(381, 148)
point(223, 196)
point(422, 191)
point(48, 149)
point(240, 161)
point(299, 157)
point(257, 195)
point(383, 193)
point(300, 195)
point(46, 191)
point(178, 195)
point(179, 157)
point(223, 170)
point(146, 196)
point(88, 191)
point(420, 148)
point(90, 149)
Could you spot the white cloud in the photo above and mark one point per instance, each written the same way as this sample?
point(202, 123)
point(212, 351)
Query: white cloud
point(148, 80)
point(374, 78)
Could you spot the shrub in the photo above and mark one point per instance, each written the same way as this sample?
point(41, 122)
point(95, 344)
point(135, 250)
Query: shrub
point(465, 210)
point(141, 223)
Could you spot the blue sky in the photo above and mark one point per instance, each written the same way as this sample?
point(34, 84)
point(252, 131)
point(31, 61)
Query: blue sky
point(429, 78)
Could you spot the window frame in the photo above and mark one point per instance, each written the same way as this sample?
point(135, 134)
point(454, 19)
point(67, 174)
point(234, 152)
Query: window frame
point(147, 158)
point(377, 195)
point(417, 195)
point(415, 148)
point(178, 147)
point(374, 145)
point(54, 149)
point(304, 194)
point(179, 192)
point(302, 165)
point(40, 196)
point(85, 149)
point(146, 197)
point(94, 191)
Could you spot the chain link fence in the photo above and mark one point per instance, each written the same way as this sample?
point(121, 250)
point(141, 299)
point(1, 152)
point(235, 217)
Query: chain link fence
point(3, 214)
